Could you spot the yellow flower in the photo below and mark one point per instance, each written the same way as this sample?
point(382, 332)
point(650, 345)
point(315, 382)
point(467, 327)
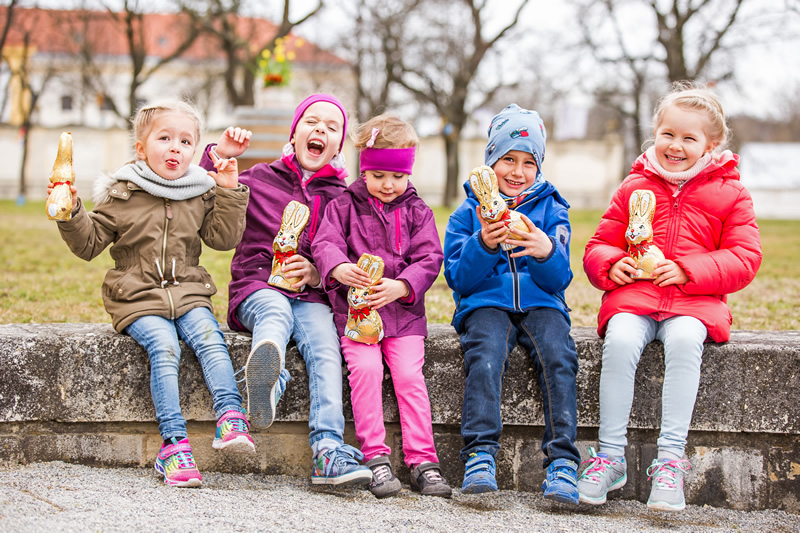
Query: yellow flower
point(291, 55)
point(298, 42)
point(266, 53)
point(280, 58)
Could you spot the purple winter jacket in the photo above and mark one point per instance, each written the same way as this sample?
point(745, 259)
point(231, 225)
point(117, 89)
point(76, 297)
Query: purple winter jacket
point(402, 232)
point(272, 186)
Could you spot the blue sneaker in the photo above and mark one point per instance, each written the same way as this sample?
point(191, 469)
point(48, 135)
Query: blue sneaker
point(340, 467)
point(561, 482)
point(479, 474)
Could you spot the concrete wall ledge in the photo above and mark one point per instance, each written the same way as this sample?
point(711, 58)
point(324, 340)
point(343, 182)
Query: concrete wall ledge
point(80, 393)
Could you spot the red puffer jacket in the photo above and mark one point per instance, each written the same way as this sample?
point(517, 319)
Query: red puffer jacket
point(708, 227)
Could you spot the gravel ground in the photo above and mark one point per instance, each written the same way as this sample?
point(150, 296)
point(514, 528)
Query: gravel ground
point(54, 497)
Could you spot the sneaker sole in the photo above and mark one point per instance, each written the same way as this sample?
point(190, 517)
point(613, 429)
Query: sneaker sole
point(600, 501)
point(240, 444)
point(664, 506)
point(194, 482)
point(478, 489)
point(352, 478)
point(562, 497)
point(261, 375)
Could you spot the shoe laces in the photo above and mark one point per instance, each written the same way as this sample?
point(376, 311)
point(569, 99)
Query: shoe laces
point(598, 467)
point(666, 471)
point(382, 473)
point(342, 456)
point(433, 476)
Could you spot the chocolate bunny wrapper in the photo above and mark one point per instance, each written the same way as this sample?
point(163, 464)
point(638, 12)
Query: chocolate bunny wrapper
point(59, 201)
point(364, 324)
point(483, 182)
point(639, 235)
point(294, 220)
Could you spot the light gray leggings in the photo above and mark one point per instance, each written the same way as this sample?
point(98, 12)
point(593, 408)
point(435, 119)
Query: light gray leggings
point(626, 337)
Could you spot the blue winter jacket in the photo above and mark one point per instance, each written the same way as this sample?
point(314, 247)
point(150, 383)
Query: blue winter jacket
point(481, 277)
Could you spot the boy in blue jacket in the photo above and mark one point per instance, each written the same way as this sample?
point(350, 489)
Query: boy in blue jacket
point(506, 297)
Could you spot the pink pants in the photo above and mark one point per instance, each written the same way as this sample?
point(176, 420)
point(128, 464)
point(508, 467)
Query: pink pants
point(404, 356)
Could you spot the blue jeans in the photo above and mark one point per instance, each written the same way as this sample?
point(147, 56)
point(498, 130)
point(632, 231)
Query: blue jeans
point(488, 338)
point(200, 331)
point(626, 337)
point(272, 316)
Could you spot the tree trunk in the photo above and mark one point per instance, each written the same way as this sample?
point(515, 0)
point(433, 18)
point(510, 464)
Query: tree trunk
point(26, 126)
point(451, 145)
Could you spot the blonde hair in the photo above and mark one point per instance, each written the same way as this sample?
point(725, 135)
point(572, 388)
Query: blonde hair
point(146, 114)
point(688, 95)
point(394, 132)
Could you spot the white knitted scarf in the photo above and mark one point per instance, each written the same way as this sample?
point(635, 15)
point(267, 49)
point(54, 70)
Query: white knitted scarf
point(677, 178)
point(195, 182)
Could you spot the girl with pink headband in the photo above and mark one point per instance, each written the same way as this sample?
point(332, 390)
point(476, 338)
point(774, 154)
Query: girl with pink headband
point(381, 214)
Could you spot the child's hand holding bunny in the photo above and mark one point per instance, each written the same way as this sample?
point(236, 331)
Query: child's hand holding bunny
point(534, 242)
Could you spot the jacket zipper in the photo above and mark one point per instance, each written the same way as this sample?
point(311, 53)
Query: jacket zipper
point(515, 284)
point(168, 210)
point(672, 234)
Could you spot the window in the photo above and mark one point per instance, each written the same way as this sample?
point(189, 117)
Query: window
point(66, 103)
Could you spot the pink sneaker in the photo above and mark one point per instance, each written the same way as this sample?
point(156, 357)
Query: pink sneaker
point(176, 463)
point(233, 431)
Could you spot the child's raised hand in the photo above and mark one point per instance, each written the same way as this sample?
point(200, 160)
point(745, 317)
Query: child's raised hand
point(298, 266)
point(233, 142)
point(492, 234)
point(622, 271)
point(72, 189)
point(227, 174)
point(668, 272)
point(534, 242)
point(349, 274)
point(386, 291)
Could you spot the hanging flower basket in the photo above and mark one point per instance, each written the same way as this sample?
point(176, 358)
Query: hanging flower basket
point(275, 66)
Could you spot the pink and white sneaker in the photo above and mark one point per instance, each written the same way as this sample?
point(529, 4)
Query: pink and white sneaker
point(176, 463)
point(233, 433)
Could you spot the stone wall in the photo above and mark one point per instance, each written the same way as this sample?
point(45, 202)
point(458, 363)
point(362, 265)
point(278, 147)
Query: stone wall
point(80, 393)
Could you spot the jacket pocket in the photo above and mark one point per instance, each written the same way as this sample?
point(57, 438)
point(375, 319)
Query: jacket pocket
point(125, 286)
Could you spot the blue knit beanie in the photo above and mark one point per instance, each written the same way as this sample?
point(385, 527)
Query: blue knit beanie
point(515, 128)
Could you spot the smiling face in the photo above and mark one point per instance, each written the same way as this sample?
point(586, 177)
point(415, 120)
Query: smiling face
point(681, 138)
point(318, 135)
point(516, 171)
point(169, 145)
point(386, 186)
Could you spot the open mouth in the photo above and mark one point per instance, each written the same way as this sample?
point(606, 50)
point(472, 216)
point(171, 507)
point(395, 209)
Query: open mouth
point(172, 163)
point(315, 147)
point(514, 183)
point(674, 159)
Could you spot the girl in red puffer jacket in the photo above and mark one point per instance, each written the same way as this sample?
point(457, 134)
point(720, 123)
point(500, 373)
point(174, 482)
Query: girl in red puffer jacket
point(705, 228)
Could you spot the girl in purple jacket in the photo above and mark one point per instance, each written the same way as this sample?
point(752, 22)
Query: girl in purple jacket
point(382, 215)
point(311, 172)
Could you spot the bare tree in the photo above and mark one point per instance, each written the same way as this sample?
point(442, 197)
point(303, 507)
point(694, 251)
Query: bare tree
point(687, 41)
point(241, 40)
point(438, 58)
point(9, 19)
point(31, 88)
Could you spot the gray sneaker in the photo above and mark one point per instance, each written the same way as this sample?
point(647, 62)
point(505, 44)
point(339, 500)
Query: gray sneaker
point(667, 491)
point(262, 383)
point(603, 474)
point(427, 479)
point(384, 483)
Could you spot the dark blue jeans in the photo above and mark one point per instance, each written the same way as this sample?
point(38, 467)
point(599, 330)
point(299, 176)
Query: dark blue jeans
point(489, 336)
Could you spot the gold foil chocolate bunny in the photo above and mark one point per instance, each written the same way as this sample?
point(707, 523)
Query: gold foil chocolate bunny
point(483, 182)
point(293, 221)
point(59, 201)
point(639, 235)
point(363, 323)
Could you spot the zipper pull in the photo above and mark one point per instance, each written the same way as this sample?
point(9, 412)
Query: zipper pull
point(169, 209)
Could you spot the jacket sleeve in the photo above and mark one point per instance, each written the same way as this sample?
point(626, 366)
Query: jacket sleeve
point(467, 261)
point(553, 273)
point(329, 248)
point(424, 255)
point(608, 244)
point(734, 265)
point(88, 234)
point(224, 223)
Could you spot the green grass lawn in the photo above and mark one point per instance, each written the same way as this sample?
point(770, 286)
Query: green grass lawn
point(41, 281)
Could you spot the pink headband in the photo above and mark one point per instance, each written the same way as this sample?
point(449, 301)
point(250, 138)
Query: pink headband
point(388, 159)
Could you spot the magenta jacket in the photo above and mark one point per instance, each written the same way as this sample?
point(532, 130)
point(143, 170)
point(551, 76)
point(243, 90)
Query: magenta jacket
point(272, 186)
point(708, 227)
point(402, 232)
